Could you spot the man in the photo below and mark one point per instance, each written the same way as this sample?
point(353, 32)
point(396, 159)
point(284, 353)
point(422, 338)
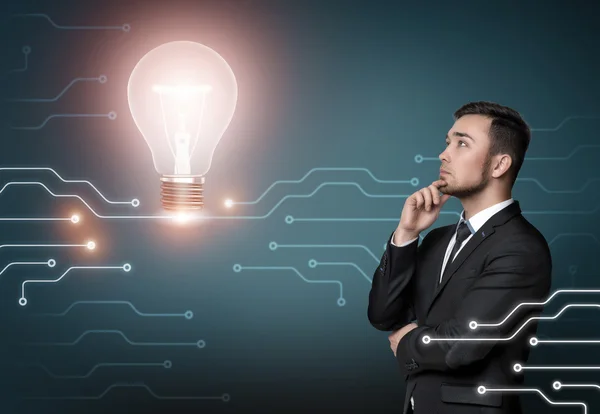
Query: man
point(475, 271)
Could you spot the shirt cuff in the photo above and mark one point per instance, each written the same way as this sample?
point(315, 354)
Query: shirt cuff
point(403, 244)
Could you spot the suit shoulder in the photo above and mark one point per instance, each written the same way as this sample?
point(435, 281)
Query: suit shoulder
point(525, 247)
point(522, 232)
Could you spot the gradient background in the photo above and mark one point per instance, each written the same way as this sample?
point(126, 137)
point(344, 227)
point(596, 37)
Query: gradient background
point(359, 85)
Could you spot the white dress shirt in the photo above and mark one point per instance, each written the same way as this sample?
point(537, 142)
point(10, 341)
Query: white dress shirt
point(474, 224)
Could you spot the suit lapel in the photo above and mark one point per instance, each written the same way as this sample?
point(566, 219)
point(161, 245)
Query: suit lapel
point(443, 245)
point(478, 237)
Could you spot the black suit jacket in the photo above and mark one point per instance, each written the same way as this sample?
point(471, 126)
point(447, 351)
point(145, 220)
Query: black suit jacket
point(506, 262)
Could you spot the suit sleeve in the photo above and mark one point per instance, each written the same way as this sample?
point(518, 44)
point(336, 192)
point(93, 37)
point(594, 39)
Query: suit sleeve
point(520, 273)
point(390, 298)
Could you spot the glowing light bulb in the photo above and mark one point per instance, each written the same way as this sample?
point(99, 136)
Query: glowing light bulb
point(182, 96)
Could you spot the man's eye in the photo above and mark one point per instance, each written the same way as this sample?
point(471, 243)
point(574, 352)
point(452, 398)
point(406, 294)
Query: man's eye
point(461, 142)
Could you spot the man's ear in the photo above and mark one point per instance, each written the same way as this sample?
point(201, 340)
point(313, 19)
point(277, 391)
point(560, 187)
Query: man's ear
point(502, 163)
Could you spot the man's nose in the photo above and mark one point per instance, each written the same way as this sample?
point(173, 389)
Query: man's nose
point(444, 155)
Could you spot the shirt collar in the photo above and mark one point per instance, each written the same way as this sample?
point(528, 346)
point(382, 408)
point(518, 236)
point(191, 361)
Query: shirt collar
point(479, 219)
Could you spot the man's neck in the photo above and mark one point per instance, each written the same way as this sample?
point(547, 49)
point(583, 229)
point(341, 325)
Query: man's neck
point(480, 202)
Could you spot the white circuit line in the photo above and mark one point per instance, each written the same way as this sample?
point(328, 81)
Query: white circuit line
point(89, 245)
point(49, 263)
point(557, 385)
point(483, 390)
point(135, 202)
point(474, 324)
point(520, 367)
point(23, 301)
point(533, 341)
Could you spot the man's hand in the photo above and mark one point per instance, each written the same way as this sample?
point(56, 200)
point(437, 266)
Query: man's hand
point(395, 337)
point(421, 209)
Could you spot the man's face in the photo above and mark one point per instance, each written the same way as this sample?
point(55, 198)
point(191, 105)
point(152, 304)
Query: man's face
point(466, 161)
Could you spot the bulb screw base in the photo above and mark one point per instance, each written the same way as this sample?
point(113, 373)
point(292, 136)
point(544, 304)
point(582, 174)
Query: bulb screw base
point(182, 192)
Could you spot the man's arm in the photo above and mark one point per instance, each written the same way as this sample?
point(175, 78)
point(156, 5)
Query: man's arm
point(390, 303)
point(513, 276)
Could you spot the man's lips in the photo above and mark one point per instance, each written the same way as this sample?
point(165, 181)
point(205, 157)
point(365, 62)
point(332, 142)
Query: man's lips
point(442, 171)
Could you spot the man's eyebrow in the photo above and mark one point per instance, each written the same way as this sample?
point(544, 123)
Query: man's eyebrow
point(462, 135)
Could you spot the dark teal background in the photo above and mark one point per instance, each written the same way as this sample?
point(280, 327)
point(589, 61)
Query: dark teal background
point(364, 86)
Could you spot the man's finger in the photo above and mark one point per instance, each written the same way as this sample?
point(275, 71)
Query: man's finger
point(435, 194)
point(420, 199)
point(428, 198)
point(439, 183)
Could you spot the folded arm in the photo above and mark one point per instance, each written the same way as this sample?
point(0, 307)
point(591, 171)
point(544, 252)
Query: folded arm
point(514, 276)
point(390, 298)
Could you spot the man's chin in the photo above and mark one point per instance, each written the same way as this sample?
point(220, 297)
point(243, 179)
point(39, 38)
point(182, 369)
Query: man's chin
point(453, 192)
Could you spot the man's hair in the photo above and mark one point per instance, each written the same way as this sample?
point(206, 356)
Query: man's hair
point(509, 133)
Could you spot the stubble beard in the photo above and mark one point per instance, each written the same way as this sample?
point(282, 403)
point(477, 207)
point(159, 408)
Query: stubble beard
point(474, 189)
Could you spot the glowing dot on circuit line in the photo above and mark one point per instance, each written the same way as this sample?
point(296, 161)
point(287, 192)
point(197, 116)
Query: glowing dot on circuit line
point(228, 203)
point(75, 218)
